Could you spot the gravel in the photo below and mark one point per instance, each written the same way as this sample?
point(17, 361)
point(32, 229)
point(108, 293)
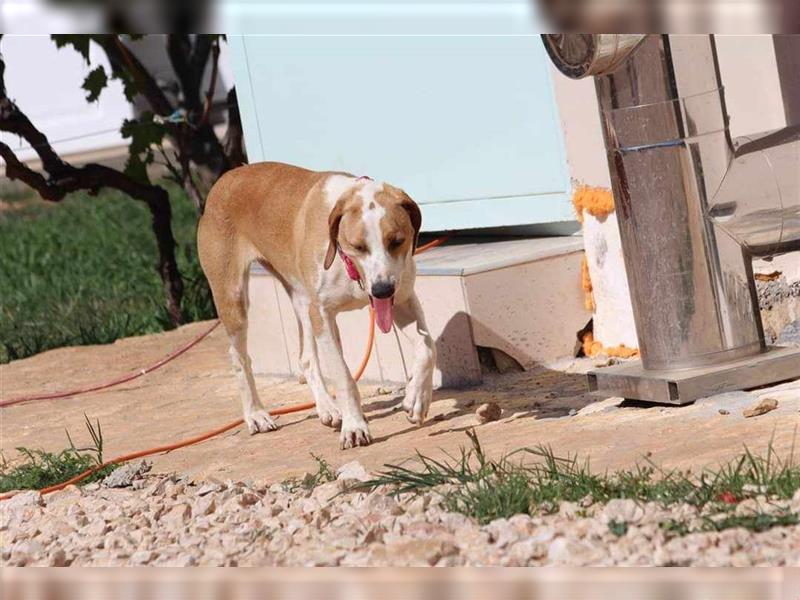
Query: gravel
point(127, 474)
point(790, 335)
point(168, 520)
point(772, 293)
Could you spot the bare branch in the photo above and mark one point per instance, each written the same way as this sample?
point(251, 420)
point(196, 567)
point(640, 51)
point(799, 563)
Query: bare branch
point(17, 170)
point(179, 50)
point(122, 59)
point(12, 120)
point(234, 137)
point(211, 85)
point(203, 46)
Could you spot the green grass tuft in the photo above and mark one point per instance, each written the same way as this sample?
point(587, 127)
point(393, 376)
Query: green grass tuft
point(40, 469)
point(324, 474)
point(472, 484)
point(82, 271)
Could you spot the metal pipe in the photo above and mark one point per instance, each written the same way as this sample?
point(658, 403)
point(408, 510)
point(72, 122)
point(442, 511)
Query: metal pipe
point(582, 54)
point(758, 199)
point(693, 206)
point(758, 202)
point(665, 127)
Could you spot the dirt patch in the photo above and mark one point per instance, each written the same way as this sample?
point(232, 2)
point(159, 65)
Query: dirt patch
point(197, 392)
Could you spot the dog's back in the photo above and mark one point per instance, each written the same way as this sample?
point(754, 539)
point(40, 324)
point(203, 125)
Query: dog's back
point(256, 208)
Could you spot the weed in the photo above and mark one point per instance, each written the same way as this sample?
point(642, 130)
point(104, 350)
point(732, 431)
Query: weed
point(474, 485)
point(758, 522)
point(324, 474)
point(40, 469)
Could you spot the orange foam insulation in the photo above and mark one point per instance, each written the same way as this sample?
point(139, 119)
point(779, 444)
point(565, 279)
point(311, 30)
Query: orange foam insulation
point(598, 202)
point(593, 348)
point(586, 284)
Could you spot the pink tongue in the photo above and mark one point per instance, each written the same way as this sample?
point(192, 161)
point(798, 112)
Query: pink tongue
point(384, 316)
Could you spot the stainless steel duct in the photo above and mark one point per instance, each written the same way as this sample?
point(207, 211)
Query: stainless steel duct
point(693, 207)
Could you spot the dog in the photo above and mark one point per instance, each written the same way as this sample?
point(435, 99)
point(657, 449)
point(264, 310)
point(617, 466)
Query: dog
point(336, 242)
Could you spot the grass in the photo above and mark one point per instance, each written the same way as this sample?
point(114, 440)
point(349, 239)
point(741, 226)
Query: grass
point(324, 474)
point(472, 484)
point(39, 469)
point(83, 271)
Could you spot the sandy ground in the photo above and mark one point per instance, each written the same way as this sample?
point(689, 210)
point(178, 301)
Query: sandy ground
point(197, 392)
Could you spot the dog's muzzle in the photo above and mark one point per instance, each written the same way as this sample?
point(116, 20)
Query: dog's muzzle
point(382, 290)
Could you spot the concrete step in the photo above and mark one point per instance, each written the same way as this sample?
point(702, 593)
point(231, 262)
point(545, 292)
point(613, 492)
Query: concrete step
point(519, 296)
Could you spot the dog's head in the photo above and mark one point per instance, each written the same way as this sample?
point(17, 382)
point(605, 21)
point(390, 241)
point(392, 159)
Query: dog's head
point(376, 225)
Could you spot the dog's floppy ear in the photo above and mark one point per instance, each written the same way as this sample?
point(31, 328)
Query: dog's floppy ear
point(414, 215)
point(333, 233)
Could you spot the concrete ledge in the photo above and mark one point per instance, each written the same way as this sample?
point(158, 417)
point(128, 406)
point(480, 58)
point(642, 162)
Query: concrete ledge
point(521, 296)
point(478, 255)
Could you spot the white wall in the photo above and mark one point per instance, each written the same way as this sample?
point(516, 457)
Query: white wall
point(46, 84)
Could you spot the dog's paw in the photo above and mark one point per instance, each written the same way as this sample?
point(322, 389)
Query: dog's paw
point(417, 401)
point(259, 421)
point(355, 432)
point(328, 414)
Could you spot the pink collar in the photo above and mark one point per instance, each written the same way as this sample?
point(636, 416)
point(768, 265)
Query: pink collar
point(350, 266)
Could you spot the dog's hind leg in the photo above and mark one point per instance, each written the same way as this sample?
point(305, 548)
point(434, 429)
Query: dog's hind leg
point(228, 274)
point(309, 361)
point(255, 415)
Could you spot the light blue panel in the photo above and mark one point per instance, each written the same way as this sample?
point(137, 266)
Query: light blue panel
point(244, 94)
point(378, 17)
point(465, 124)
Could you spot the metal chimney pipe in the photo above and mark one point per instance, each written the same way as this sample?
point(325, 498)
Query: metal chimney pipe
point(693, 207)
point(758, 202)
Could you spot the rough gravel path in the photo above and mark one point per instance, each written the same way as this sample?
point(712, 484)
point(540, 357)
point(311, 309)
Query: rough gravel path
point(168, 520)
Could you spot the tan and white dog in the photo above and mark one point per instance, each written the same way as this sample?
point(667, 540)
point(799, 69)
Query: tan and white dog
point(309, 229)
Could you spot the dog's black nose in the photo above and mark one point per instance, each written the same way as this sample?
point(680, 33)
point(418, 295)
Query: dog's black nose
point(382, 289)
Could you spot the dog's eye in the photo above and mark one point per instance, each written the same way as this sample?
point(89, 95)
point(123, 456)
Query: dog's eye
point(360, 247)
point(396, 243)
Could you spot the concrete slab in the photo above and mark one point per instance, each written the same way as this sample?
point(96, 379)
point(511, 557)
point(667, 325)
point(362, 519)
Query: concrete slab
point(521, 296)
point(197, 392)
point(473, 255)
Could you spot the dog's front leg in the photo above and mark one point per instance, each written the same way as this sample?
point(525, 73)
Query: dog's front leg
point(327, 411)
point(419, 390)
point(355, 431)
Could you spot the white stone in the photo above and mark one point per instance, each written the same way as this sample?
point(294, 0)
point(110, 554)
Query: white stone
point(353, 470)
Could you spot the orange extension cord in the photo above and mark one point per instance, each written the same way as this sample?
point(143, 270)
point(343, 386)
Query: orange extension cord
point(204, 436)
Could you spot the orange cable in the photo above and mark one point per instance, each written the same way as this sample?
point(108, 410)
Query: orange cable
point(124, 379)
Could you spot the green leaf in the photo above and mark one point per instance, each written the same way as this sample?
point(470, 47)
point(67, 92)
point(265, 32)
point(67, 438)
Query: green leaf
point(79, 42)
point(128, 85)
point(94, 83)
point(144, 133)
